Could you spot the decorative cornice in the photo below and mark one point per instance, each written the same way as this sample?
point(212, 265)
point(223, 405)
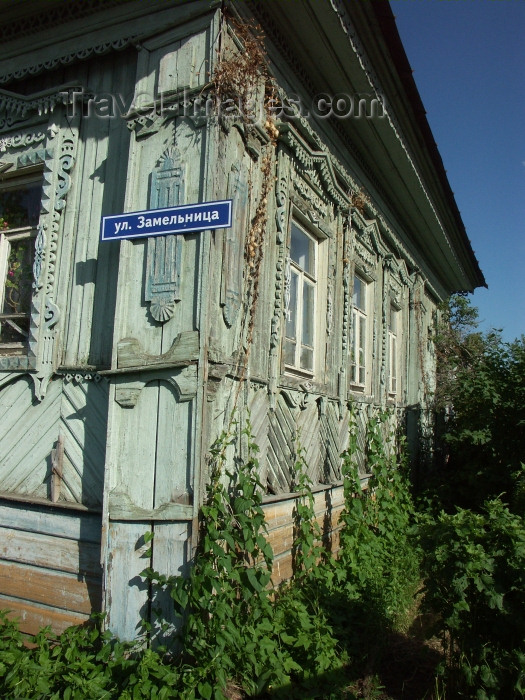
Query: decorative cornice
point(318, 163)
point(48, 19)
point(21, 140)
point(20, 105)
point(69, 57)
point(16, 109)
point(299, 137)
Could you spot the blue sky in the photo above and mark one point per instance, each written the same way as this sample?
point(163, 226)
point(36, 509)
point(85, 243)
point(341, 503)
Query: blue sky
point(468, 58)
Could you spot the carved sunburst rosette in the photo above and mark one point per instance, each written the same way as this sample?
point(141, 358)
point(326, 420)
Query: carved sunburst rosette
point(162, 309)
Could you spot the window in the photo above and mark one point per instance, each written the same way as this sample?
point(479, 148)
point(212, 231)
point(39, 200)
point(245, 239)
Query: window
point(300, 311)
point(393, 356)
point(358, 344)
point(19, 212)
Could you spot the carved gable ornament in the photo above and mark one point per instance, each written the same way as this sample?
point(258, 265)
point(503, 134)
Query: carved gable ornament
point(398, 278)
point(367, 232)
point(315, 176)
point(368, 245)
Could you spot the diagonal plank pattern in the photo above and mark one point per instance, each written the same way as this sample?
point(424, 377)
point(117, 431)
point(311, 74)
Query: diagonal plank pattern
point(74, 409)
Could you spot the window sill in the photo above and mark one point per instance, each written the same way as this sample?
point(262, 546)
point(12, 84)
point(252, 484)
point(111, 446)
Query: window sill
point(358, 388)
point(360, 397)
point(302, 374)
point(300, 382)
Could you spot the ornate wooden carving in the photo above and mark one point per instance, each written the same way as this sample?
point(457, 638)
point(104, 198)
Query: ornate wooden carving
point(20, 140)
point(183, 381)
point(45, 314)
point(41, 145)
point(185, 348)
point(347, 309)
point(281, 219)
point(163, 263)
point(317, 166)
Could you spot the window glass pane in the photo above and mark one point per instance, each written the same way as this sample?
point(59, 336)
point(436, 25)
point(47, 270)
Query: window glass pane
point(359, 293)
point(291, 318)
point(17, 291)
point(353, 346)
point(289, 352)
point(362, 336)
point(393, 319)
point(21, 206)
point(302, 250)
point(308, 314)
point(307, 358)
point(298, 349)
point(394, 357)
point(17, 297)
point(358, 348)
point(393, 364)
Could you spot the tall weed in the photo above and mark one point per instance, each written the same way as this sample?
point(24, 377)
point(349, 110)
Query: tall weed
point(238, 634)
point(378, 555)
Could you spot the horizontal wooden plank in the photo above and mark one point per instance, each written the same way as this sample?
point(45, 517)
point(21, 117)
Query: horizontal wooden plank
point(328, 505)
point(51, 520)
point(282, 540)
point(282, 569)
point(58, 590)
point(33, 617)
point(184, 348)
point(285, 518)
point(280, 512)
point(121, 507)
point(50, 552)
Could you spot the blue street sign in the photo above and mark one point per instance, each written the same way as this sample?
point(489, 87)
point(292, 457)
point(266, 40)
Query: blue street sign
point(161, 222)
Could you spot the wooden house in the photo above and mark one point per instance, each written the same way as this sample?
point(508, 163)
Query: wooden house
point(122, 360)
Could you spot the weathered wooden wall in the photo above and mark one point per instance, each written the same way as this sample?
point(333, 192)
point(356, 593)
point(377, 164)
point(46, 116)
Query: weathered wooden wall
point(142, 349)
point(153, 456)
point(50, 571)
point(53, 420)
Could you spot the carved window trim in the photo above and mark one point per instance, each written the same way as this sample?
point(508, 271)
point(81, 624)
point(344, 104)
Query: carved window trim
point(47, 149)
point(314, 279)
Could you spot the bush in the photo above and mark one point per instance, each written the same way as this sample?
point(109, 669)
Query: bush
point(475, 584)
point(481, 379)
point(81, 663)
